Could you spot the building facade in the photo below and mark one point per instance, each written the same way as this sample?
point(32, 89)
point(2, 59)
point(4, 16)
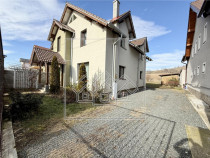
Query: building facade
point(108, 48)
point(197, 51)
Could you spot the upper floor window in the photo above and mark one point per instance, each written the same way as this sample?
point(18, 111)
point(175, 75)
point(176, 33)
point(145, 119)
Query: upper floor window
point(73, 17)
point(204, 68)
point(199, 42)
point(205, 33)
point(198, 70)
point(193, 49)
point(196, 47)
point(59, 44)
point(121, 72)
point(83, 38)
point(122, 43)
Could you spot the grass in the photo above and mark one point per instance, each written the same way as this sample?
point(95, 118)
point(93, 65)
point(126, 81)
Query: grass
point(156, 85)
point(51, 112)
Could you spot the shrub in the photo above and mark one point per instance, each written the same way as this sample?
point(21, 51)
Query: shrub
point(70, 95)
point(23, 106)
point(55, 76)
point(173, 82)
point(82, 77)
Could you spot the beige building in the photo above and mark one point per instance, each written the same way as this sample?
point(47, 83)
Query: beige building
point(109, 49)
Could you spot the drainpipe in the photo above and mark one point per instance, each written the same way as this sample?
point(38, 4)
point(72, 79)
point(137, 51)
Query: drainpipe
point(71, 58)
point(114, 84)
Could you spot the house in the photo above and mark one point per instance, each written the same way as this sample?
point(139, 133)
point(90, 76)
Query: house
point(24, 63)
point(166, 78)
point(108, 48)
point(197, 56)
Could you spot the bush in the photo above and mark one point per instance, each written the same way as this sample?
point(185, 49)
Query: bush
point(82, 77)
point(173, 82)
point(24, 106)
point(70, 95)
point(55, 76)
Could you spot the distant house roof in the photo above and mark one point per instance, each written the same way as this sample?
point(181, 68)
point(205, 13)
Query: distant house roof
point(24, 60)
point(54, 28)
point(44, 55)
point(169, 74)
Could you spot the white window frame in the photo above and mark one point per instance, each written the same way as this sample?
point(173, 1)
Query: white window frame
point(205, 33)
point(196, 47)
point(199, 42)
point(204, 68)
point(193, 49)
point(198, 70)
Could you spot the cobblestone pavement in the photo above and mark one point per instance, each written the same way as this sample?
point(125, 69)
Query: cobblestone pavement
point(137, 127)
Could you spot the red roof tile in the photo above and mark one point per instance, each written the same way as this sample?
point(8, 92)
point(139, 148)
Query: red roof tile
point(45, 55)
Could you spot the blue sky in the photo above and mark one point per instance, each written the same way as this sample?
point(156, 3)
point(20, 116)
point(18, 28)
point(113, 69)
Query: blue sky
point(27, 22)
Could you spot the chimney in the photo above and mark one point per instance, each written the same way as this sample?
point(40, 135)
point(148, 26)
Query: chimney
point(116, 8)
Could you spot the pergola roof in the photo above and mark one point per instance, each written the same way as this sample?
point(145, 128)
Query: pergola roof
point(44, 55)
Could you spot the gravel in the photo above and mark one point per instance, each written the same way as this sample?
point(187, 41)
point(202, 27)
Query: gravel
point(146, 124)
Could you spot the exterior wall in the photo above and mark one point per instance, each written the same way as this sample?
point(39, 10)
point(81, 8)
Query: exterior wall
point(200, 81)
point(93, 52)
point(182, 78)
point(127, 57)
point(166, 79)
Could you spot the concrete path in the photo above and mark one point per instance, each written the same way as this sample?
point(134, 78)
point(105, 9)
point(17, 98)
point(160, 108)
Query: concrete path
point(146, 124)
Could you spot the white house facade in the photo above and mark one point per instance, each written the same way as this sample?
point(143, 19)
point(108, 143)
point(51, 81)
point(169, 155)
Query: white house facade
point(108, 49)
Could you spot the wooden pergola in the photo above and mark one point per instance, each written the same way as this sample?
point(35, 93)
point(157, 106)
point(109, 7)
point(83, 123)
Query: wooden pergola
point(43, 57)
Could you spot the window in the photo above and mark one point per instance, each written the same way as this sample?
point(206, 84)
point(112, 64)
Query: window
point(204, 68)
point(73, 17)
point(140, 75)
point(193, 49)
point(198, 69)
point(58, 43)
point(121, 72)
point(199, 42)
point(196, 47)
point(205, 33)
point(83, 38)
point(122, 43)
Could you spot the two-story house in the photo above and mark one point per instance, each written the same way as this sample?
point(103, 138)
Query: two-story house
point(197, 52)
point(107, 47)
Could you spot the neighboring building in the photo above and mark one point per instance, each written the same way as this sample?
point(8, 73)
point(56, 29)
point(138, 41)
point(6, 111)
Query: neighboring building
point(24, 63)
point(107, 48)
point(166, 78)
point(197, 53)
point(182, 79)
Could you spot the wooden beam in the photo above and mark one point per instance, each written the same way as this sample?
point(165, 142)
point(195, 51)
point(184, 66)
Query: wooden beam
point(47, 73)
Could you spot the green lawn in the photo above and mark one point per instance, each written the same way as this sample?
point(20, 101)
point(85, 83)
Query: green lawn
point(51, 112)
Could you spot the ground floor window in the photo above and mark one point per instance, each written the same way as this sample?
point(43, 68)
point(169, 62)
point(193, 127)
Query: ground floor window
point(121, 72)
point(140, 75)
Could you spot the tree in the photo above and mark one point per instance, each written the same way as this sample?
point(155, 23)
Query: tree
point(82, 77)
point(55, 76)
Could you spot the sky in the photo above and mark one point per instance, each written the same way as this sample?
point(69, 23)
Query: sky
point(25, 23)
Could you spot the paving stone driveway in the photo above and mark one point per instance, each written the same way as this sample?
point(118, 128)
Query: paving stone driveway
point(131, 129)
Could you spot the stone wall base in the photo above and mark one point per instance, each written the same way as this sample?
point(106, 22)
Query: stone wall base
point(200, 95)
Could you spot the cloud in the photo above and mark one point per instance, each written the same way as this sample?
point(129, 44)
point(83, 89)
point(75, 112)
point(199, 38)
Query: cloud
point(165, 60)
point(6, 52)
point(28, 19)
point(148, 29)
point(5, 43)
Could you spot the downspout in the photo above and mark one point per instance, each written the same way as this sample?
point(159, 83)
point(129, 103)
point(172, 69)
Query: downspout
point(71, 58)
point(114, 88)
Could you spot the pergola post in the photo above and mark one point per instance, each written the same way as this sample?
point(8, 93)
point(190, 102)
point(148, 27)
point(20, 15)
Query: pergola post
point(40, 72)
point(47, 77)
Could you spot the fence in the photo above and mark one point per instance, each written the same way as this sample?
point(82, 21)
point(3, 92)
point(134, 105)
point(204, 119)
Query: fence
point(23, 79)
